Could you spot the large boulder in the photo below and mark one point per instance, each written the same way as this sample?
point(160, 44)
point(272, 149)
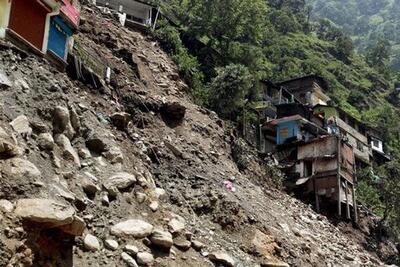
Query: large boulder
point(45, 211)
point(133, 227)
point(120, 180)
point(8, 145)
point(18, 167)
point(50, 214)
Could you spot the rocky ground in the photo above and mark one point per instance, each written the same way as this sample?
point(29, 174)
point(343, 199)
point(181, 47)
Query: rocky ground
point(136, 174)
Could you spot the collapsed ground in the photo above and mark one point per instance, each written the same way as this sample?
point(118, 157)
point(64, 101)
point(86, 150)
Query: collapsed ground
point(68, 142)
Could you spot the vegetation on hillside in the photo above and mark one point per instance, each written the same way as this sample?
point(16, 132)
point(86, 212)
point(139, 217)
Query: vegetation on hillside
point(239, 42)
point(366, 21)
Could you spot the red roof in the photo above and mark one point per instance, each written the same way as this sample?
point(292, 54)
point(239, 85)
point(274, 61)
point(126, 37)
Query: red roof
point(70, 12)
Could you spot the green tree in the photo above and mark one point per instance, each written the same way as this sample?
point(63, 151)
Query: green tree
point(229, 89)
point(378, 55)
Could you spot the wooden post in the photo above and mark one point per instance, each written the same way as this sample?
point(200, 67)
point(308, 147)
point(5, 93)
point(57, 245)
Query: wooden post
point(338, 176)
point(316, 195)
point(355, 208)
point(347, 201)
point(155, 20)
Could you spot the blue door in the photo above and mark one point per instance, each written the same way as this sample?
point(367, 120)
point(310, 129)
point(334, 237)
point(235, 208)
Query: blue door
point(58, 37)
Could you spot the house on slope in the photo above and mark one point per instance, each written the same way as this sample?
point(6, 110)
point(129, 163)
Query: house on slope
point(62, 27)
point(350, 129)
point(39, 25)
point(136, 12)
point(308, 90)
point(379, 156)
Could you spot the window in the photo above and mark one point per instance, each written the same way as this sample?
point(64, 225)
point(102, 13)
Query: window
point(360, 146)
point(375, 143)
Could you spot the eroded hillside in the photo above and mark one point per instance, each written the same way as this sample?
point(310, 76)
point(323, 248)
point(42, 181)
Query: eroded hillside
point(145, 174)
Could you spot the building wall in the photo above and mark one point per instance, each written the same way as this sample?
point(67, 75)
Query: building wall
point(287, 130)
point(58, 37)
point(4, 17)
point(28, 10)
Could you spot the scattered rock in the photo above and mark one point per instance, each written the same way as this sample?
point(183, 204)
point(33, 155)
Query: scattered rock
point(4, 81)
point(111, 244)
point(269, 263)
point(114, 155)
point(162, 239)
point(197, 245)
point(128, 260)
point(120, 120)
point(88, 185)
point(176, 225)
point(97, 143)
point(120, 181)
point(21, 125)
point(76, 228)
point(223, 258)
point(91, 243)
point(131, 250)
point(69, 152)
point(154, 206)
point(45, 141)
point(141, 197)
point(62, 122)
point(6, 206)
point(182, 243)
point(84, 153)
point(145, 258)
point(8, 146)
point(135, 228)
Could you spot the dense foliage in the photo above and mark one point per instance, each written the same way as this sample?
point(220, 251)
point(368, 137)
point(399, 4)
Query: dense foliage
point(234, 43)
point(367, 21)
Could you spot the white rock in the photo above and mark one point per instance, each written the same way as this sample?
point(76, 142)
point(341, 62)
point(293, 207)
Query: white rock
point(161, 238)
point(4, 81)
point(176, 225)
point(145, 258)
point(111, 244)
point(91, 243)
point(6, 206)
point(223, 258)
point(135, 228)
point(17, 167)
point(154, 206)
point(45, 141)
point(128, 260)
point(141, 197)
point(120, 180)
point(160, 193)
point(45, 211)
point(21, 125)
point(131, 249)
point(114, 155)
point(69, 152)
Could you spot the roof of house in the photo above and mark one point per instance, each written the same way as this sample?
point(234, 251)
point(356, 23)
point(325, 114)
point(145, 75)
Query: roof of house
point(320, 79)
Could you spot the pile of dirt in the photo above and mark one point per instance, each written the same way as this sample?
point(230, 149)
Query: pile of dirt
point(137, 174)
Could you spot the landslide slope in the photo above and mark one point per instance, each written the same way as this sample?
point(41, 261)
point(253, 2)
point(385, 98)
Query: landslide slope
point(71, 145)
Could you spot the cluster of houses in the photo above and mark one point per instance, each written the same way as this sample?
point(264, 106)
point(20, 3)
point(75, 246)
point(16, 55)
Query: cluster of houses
point(319, 147)
point(43, 26)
